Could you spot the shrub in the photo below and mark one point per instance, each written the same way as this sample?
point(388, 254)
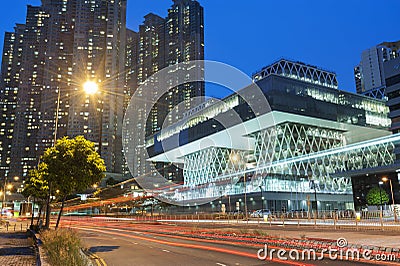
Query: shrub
point(63, 247)
point(260, 232)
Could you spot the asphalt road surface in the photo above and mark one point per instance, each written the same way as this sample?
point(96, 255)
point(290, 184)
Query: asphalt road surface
point(120, 245)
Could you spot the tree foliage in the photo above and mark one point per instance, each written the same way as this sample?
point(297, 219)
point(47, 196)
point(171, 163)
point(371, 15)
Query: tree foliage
point(73, 165)
point(37, 186)
point(111, 181)
point(377, 196)
point(70, 166)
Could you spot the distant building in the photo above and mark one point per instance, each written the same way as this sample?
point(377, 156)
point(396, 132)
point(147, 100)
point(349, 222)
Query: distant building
point(392, 80)
point(163, 42)
point(366, 178)
point(22, 85)
point(61, 45)
point(368, 74)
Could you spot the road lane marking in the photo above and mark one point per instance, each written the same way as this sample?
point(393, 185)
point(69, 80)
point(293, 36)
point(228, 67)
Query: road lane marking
point(193, 246)
point(220, 264)
point(99, 261)
point(166, 250)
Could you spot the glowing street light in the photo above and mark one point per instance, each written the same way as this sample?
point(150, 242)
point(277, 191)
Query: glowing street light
point(90, 87)
point(385, 179)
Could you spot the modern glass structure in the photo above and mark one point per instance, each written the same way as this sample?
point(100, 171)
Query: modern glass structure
point(289, 150)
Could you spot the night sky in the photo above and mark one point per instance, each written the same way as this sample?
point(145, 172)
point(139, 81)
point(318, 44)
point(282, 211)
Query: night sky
point(253, 33)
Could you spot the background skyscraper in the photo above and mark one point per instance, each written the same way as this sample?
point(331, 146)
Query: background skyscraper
point(369, 73)
point(62, 45)
point(65, 43)
point(165, 42)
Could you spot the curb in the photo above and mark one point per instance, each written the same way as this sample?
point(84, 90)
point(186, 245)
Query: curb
point(99, 261)
point(40, 253)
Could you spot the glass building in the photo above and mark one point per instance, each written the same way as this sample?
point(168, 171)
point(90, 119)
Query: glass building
point(285, 154)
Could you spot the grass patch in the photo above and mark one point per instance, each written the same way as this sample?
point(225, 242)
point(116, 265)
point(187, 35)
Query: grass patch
point(194, 229)
point(63, 247)
point(244, 231)
point(260, 232)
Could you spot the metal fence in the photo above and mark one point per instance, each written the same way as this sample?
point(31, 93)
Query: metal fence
point(371, 220)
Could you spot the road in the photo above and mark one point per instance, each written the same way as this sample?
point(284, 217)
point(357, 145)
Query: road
point(120, 244)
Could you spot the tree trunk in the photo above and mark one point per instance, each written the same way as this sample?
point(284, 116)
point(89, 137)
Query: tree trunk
point(40, 214)
point(48, 210)
point(33, 212)
point(61, 210)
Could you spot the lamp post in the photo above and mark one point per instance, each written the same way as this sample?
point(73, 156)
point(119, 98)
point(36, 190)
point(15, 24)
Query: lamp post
point(385, 179)
point(380, 192)
point(313, 186)
point(4, 193)
point(245, 197)
point(57, 113)
point(262, 198)
point(183, 203)
point(92, 88)
point(47, 225)
point(9, 187)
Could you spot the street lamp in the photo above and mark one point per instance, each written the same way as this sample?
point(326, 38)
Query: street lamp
point(380, 191)
point(385, 179)
point(313, 186)
point(4, 192)
point(262, 198)
point(91, 88)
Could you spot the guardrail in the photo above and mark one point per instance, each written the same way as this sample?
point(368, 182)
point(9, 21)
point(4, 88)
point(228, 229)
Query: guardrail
point(376, 220)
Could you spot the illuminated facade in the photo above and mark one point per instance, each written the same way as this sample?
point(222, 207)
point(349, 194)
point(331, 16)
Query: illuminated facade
point(165, 42)
point(22, 85)
point(369, 73)
point(392, 75)
point(62, 45)
point(312, 131)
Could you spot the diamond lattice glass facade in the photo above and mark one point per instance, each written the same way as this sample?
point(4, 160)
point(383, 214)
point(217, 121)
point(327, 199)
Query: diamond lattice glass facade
point(311, 132)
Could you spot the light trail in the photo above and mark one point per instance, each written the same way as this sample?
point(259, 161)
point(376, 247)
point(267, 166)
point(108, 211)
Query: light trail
point(192, 246)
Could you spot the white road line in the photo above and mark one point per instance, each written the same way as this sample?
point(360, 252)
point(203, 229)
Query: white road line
point(166, 250)
point(220, 264)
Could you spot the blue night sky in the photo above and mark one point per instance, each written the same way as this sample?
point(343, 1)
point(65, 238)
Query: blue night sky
point(254, 33)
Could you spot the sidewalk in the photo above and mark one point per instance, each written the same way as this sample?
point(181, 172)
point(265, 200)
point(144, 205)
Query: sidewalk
point(16, 249)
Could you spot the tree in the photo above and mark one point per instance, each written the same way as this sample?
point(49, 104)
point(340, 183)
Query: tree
point(72, 165)
point(111, 182)
point(37, 186)
point(377, 196)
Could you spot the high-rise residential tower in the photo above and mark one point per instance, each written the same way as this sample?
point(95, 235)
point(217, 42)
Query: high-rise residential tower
point(28, 77)
point(392, 80)
point(99, 56)
point(166, 42)
point(46, 61)
point(184, 34)
point(369, 73)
